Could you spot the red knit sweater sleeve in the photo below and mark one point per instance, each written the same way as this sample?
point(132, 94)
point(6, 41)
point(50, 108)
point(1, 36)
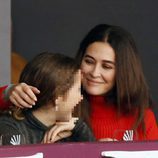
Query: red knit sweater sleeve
point(151, 125)
point(3, 103)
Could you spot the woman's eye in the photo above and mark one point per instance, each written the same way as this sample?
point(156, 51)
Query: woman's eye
point(107, 67)
point(89, 61)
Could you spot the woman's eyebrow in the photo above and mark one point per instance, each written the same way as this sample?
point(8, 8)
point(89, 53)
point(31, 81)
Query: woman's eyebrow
point(88, 56)
point(105, 61)
point(108, 61)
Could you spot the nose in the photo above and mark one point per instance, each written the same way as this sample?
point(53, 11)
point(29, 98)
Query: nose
point(95, 71)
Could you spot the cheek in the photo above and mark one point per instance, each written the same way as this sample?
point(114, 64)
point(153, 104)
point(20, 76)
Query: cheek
point(84, 72)
point(84, 68)
point(110, 77)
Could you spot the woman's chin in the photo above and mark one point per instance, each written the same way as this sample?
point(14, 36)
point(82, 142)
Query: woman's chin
point(92, 91)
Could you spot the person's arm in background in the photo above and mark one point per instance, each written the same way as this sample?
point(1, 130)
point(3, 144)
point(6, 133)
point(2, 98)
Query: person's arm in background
point(4, 103)
point(21, 95)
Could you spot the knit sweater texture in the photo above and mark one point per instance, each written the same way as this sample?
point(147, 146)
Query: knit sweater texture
point(107, 124)
point(31, 131)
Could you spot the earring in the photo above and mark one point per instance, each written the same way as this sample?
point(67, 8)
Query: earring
point(58, 102)
point(56, 105)
point(56, 108)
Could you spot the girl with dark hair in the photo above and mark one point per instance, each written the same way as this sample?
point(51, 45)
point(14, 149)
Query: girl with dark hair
point(59, 80)
point(116, 95)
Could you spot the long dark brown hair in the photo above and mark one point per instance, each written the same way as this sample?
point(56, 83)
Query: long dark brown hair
point(130, 93)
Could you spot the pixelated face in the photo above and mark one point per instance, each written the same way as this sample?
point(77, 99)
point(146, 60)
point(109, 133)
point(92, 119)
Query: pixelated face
point(73, 95)
point(98, 68)
point(70, 99)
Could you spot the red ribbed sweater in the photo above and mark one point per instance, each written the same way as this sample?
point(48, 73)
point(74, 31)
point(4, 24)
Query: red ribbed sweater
point(106, 124)
point(3, 104)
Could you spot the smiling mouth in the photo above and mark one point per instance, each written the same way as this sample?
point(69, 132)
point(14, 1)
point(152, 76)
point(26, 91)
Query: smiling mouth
point(94, 82)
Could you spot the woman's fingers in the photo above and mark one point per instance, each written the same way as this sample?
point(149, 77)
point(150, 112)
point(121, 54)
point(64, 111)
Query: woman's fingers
point(62, 135)
point(61, 128)
point(107, 139)
point(31, 91)
point(23, 95)
point(59, 131)
point(45, 140)
point(18, 101)
point(58, 137)
point(15, 102)
point(47, 137)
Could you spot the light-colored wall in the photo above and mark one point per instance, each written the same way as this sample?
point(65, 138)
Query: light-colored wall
point(5, 46)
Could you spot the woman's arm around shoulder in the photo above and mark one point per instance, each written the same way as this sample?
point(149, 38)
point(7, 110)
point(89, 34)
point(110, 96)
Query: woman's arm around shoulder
point(4, 103)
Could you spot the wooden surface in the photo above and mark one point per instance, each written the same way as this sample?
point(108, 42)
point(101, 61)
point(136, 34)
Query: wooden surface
point(17, 65)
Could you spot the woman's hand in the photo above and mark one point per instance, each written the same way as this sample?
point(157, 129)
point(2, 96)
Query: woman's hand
point(23, 95)
point(107, 140)
point(59, 131)
point(47, 138)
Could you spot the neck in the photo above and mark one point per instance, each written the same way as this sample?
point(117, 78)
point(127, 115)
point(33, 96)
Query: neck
point(97, 98)
point(46, 115)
